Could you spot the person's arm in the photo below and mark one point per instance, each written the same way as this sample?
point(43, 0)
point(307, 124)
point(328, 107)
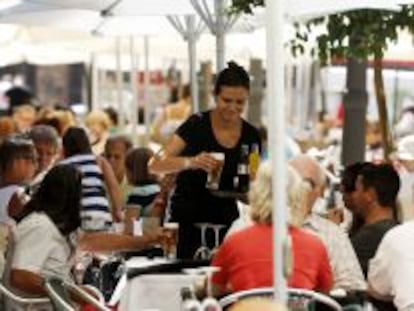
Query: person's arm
point(155, 130)
point(373, 293)
point(27, 282)
point(325, 275)
point(113, 187)
point(168, 160)
point(16, 204)
point(108, 242)
point(131, 214)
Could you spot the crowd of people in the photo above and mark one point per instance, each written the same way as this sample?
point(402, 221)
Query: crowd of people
point(68, 186)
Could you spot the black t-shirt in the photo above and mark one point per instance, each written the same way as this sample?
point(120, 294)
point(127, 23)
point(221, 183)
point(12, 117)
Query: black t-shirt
point(367, 240)
point(192, 201)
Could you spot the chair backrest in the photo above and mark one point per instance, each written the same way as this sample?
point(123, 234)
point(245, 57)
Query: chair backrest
point(13, 301)
point(299, 299)
point(58, 294)
point(87, 294)
point(61, 293)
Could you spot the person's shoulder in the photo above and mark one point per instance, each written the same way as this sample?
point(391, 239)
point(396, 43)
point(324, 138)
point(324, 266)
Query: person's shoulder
point(35, 222)
point(248, 232)
point(250, 127)
point(195, 120)
point(401, 232)
point(308, 238)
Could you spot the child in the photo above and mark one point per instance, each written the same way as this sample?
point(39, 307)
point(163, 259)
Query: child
point(144, 186)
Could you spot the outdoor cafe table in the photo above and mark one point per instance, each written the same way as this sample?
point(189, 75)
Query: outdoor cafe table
point(153, 284)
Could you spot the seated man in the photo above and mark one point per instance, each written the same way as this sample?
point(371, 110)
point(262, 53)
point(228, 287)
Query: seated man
point(345, 267)
point(391, 271)
point(374, 199)
point(245, 258)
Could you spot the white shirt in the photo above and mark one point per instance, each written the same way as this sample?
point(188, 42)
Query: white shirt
point(39, 247)
point(345, 267)
point(6, 194)
point(405, 126)
point(406, 194)
point(391, 271)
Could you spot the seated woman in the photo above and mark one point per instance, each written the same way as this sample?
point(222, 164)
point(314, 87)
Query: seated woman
point(144, 186)
point(47, 237)
point(98, 179)
point(245, 258)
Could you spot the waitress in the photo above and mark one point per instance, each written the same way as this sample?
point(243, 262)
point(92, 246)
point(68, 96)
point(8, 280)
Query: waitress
point(221, 129)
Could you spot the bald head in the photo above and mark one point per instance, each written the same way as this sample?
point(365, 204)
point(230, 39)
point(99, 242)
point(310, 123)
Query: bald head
point(309, 169)
point(312, 172)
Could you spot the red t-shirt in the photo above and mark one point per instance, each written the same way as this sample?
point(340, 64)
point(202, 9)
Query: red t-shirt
point(246, 261)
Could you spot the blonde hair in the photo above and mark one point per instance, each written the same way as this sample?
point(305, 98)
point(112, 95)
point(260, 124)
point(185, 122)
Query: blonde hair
point(99, 117)
point(260, 196)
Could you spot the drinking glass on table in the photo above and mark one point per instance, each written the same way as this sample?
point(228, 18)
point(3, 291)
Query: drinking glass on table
point(171, 239)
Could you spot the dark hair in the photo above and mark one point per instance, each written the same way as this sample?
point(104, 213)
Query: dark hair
point(136, 162)
point(44, 134)
point(112, 114)
point(233, 76)
point(13, 148)
point(385, 181)
point(350, 175)
point(174, 92)
point(186, 91)
point(59, 196)
point(124, 139)
point(75, 141)
point(52, 122)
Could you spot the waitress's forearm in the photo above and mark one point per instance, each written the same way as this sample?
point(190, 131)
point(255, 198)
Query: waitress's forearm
point(168, 165)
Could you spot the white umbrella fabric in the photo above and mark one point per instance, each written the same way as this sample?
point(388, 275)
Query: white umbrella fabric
point(124, 7)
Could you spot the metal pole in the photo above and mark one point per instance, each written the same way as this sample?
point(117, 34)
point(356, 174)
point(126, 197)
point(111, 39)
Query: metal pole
point(220, 34)
point(119, 85)
point(146, 91)
point(192, 55)
point(134, 88)
point(276, 102)
point(95, 82)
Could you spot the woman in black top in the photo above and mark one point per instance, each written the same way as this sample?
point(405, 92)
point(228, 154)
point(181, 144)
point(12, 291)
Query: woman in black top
point(219, 130)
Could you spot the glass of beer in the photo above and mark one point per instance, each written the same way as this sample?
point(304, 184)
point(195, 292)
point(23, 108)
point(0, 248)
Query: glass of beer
point(171, 240)
point(213, 178)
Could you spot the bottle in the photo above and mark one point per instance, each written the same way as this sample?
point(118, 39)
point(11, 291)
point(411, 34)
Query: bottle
point(189, 302)
point(243, 177)
point(254, 161)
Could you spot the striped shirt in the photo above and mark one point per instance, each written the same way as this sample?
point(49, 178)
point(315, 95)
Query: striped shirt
point(95, 212)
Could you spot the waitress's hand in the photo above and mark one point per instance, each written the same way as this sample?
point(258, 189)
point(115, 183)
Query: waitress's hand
point(204, 161)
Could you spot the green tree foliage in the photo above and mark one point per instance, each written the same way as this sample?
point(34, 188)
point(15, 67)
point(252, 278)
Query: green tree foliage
point(359, 34)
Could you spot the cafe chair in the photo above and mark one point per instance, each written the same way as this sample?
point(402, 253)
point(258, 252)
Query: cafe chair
point(60, 292)
point(11, 301)
point(58, 295)
point(298, 299)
